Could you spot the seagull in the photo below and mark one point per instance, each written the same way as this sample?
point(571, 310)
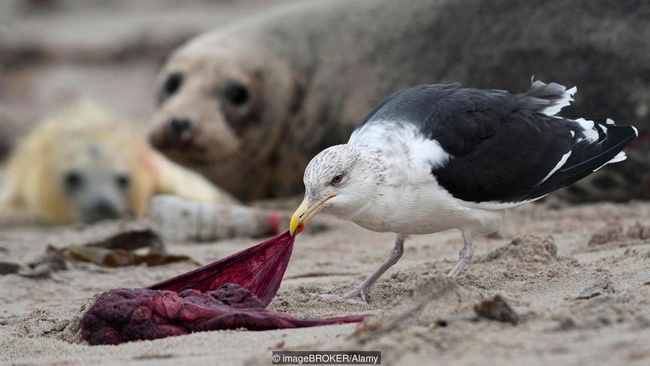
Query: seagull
point(439, 157)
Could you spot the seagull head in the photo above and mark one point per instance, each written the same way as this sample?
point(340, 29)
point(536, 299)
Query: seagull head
point(340, 180)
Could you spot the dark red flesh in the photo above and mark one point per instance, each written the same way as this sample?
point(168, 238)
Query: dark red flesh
point(124, 315)
point(258, 269)
point(231, 293)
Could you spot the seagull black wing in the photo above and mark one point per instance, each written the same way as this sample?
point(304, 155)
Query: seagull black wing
point(502, 148)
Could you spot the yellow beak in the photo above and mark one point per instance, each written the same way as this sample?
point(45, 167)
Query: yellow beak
point(304, 213)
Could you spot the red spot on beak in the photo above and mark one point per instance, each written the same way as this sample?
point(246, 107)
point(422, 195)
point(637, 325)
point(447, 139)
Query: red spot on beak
point(299, 229)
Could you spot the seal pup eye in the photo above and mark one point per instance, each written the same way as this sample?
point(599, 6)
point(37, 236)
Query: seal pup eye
point(337, 179)
point(73, 180)
point(236, 93)
point(123, 181)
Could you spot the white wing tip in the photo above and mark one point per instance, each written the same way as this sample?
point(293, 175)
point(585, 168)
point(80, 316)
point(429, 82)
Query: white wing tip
point(572, 91)
point(618, 158)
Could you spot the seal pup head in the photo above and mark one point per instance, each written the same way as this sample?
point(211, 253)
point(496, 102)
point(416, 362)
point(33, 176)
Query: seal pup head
point(224, 108)
point(90, 179)
point(81, 164)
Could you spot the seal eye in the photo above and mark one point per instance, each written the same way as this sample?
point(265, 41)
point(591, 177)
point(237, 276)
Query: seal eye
point(123, 181)
point(337, 179)
point(73, 181)
point(173, 82)
point(171, 86)
point(236, 93)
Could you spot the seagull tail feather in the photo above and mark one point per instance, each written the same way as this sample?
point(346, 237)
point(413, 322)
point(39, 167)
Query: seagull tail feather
point(544, 98)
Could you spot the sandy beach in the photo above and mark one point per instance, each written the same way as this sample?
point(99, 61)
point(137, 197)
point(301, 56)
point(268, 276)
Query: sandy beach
point(578, 278)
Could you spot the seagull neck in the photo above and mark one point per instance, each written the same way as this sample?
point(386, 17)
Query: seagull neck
point(386, 188)
point(392, 159)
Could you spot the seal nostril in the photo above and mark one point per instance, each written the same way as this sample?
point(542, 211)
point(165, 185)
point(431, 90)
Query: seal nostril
point(180, 126)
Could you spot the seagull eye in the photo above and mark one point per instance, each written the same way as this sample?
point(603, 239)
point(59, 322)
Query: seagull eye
point(337, 179)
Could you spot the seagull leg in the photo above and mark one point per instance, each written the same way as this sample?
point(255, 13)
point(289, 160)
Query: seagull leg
point(358, 295)
point(464, 256)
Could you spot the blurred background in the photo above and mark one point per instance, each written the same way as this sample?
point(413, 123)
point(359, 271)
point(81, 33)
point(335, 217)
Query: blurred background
point(55, 52)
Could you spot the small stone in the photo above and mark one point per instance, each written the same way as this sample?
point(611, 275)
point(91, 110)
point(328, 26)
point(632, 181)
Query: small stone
point(497, 309)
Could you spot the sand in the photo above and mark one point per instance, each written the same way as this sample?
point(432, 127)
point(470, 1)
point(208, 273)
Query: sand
point(578, 278)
